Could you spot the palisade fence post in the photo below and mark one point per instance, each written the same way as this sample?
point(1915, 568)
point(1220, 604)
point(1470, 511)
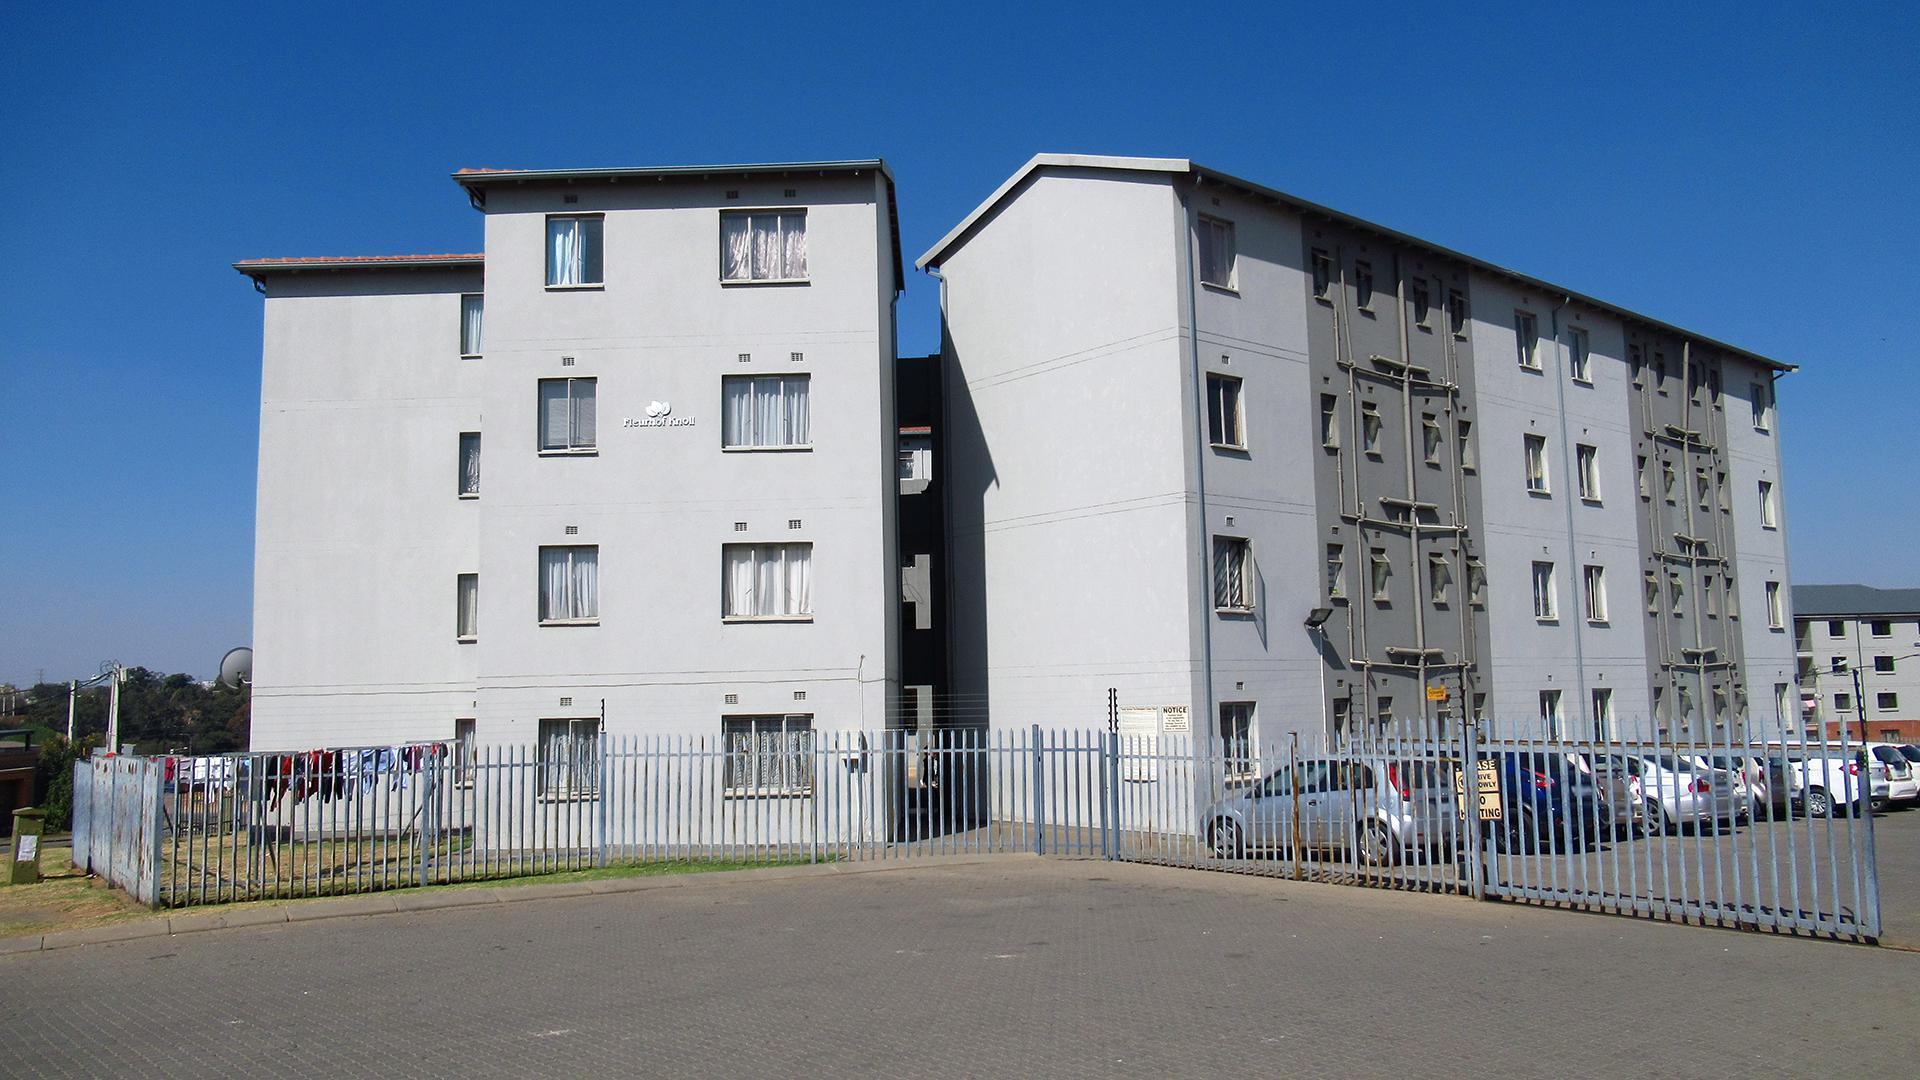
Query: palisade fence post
point(1477, 882)
point(157, 775)
point(1039, 795)
point(429, 790)
point(603, 789)
point(1870, 902)
point(1112, 802)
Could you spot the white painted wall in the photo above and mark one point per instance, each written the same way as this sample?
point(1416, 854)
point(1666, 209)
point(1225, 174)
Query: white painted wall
point(1753, 456)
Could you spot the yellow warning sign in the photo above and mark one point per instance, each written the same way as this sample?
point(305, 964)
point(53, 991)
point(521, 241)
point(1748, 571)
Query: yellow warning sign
point(1436, 693)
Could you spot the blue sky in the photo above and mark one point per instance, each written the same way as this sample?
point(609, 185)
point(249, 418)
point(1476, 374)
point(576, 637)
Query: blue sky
point(1746, 171)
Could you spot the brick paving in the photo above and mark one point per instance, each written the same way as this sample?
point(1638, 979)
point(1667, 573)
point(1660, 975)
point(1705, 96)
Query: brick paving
point(1011, 966)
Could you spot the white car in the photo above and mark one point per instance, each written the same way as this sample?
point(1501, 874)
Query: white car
point(1827, 782)
point(1902, 785)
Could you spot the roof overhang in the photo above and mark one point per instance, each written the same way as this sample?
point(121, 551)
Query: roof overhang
point(260, 269)
point(477, 181)
point(1202, 175)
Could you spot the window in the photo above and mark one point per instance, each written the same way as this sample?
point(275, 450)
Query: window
point(768, 755)
point(1668, 482)
point(1703, 489)
point(1342, 712)
point(1886, 701)
point(1636, 366)
point(1587, 464)
point(1676, 594)
point(1883, 664)
point(1659, 372)
point(1843, 703)
point(1836, 628)
point(1439, 580)
point(1430, 438)
point(573, 250)
point(466, 618)
point(1336, 572)
point(915, 456)
point(766, 411)
point(1640, 475)
point(568, 759)
point(1762, 406)
point(1232, 583)
point(1544, 607)
point(1464, 432)
point(1236, 738)
point(1579, 359)
point(1223, 412)
point(1322, 265)
point(1776, 610)
point(1653, 593)
point(471, 309)
point(1457, 312)
point(1550, 719)
point(567, 415)
point(1382, 574)
point(1720, 492)
point(1837, 664)
point(1329, 420)
point(1363, 286)
point(1422, 302)
point(463, 751)
point(1603, 714)
point(1767, 518)
point(1782, 707)
point(1476, 583)
point(1535, 448)
point(763, 245)
point(1880, 628)
point(1216, 252)
point(1526, 339)
point(1594, 586)
point(1480, 707)
point(569, 584)
point(1370, 428)
point(1383, 712)
point(767, 581)
point(469, 478)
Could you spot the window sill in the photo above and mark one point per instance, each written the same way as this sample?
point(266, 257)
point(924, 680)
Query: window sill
point(1588, 383)
point(766, 618)
point(1374, 454)
point(467, 640)
point(737, 283)
point(1219, 288)
point(1598, 622)
point(797, 448)
point(1547, 620)
point(1231, 447)
point(1770, 528)
point(1324, 299)
point(469, 496)
point(1761, 430)
point(569, 622)
point(588, 451)
point(1591, 500)
point(1423, 328)
point(470, 356)
point(1535, 368)
point(585, 286)
point(1235, 611)
point(1540, 493)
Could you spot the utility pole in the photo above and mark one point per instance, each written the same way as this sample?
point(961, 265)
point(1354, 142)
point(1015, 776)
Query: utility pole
point(113, 709)
point(73, 693)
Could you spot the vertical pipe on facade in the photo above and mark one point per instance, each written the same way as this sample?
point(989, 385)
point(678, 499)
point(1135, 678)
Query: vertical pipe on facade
point(1561, 375)
point(1356, 612)
point(1200, 457)
point(1413, 513)
point(1688, 455)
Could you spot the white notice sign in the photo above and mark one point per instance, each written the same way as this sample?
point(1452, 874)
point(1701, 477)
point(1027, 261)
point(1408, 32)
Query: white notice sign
point(29, 847)
point(1173, 720)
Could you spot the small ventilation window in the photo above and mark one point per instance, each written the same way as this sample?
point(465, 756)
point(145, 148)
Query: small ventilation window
point(570, 199)
point(566, 702)
point(739, 526)
point(796, 357)
point(746, 358)
point(793, 523)
point(733, 699)
point(792, 192)
point(799, 695)
point(573, 530)
point(733, 194)
point(566, 361)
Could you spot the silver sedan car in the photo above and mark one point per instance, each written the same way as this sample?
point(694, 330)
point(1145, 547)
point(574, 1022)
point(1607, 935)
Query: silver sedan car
point(1384, 809)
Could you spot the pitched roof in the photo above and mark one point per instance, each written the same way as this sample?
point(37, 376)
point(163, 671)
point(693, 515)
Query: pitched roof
point(1182, 166)
point(1812, 601)
point(257, 268)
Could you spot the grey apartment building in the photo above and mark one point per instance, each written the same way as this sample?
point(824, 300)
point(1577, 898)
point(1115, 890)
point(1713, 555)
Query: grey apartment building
point(651, 463)
point(1244, 457)
point(1841, 630)
point(631, 469)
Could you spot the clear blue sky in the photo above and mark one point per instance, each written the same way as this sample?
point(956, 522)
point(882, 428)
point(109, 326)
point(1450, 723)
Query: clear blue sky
point(1741, 170)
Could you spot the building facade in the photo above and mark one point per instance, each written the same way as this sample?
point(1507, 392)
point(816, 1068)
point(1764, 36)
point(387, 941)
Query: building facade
point(631, 469)
point(1844, 630)
point(1241, 457)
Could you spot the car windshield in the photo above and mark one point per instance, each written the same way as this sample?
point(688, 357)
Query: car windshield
point(1911, 753)
point(1677, 764)
point(1889, 755)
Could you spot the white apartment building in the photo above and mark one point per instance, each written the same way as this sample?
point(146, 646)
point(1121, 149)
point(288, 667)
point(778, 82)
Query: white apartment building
point(631, 469)
point(1859, 651)
point(1248, 459)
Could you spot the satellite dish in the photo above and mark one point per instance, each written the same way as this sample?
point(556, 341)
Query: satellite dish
point(236, 668)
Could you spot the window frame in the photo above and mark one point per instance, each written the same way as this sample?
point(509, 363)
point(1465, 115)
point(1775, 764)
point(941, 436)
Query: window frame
point(1552, 719)
point(1240, 714)
point(1593, 585)
point(1886, 701)
point(1546, 601)
point(598, 253)
point(788, 725)
point(1220, 434)
point(779, 213)
point(786, 546)
point(463, 473)
point(1762, 407)
point(1776, 606)
point(1463, 437)
point(1579, 355)
point(1533, 458)
point(753, 395)
point(1586, 467)
point(1207, 236)
point(1888, 669)
point(1379, 576)
point(1769, 515)
point(1235, 550)
point(1370, 428)
point(1330, 421)
point(1363, 291)
point(580, 730)
point(1874, 625)
point(1476, 583)
point(1439, 579)
point(479, 300)
point(1526, 339)
point(1432, 438)
point(1336, 572)
point(466, 618)
point(572, 449)
point(1420, 297)
point(540, 588)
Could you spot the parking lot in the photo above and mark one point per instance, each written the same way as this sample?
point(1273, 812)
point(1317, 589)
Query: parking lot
point(1003, 966)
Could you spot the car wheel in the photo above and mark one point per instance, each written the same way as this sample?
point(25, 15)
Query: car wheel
point(1656, 823)
point(1223, 839)
point(1375, 844)
point(1517, 836)
point(1818, 805)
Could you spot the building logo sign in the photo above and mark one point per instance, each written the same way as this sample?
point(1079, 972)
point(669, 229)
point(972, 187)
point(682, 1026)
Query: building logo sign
point(659, 414)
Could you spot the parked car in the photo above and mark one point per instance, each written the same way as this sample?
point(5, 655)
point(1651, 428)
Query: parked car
point(1827, 781)
point(1676, 792)
point(1546, 798)
point(1384, 809)
point(1902, 785)
point(1751, 785)
point(1912, 754)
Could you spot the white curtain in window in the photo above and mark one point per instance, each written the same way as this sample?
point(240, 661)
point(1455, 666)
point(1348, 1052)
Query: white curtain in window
point(798, 564)
point(471, 310)
point(765, 410)
point(469, 618)
point(739, 570)
point(768, 252)
point(554, 414)
point(569, 583)
point(769, 416)
point(768, 580)
point(736, 247)
point(564, 251)
point(793, 232)
point(470, 464)
point(582, 392)
point(736, 422)
point(797, 394)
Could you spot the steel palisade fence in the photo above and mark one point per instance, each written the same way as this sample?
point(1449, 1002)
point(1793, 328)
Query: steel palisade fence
point(1600, 825)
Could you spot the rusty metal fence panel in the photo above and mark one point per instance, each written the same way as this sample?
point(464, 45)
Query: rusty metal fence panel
point(116, 822)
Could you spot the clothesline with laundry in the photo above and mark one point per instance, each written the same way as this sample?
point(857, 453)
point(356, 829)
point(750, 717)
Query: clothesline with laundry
point(338, 774)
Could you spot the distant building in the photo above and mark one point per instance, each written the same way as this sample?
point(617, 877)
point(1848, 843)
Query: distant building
point(1842, 629)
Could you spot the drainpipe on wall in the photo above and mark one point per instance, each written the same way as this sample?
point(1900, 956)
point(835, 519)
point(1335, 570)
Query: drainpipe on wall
point(1200, 467)
point(1573, 548)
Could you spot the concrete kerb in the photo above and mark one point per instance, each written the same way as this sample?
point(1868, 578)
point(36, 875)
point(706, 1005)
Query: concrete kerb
point(406, 901)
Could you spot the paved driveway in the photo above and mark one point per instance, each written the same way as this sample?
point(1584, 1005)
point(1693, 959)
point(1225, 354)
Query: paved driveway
point(1014, 966)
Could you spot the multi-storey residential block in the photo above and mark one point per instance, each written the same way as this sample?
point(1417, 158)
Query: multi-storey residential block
point(1844, 631)
point(632, 469)
point(1235, 454)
